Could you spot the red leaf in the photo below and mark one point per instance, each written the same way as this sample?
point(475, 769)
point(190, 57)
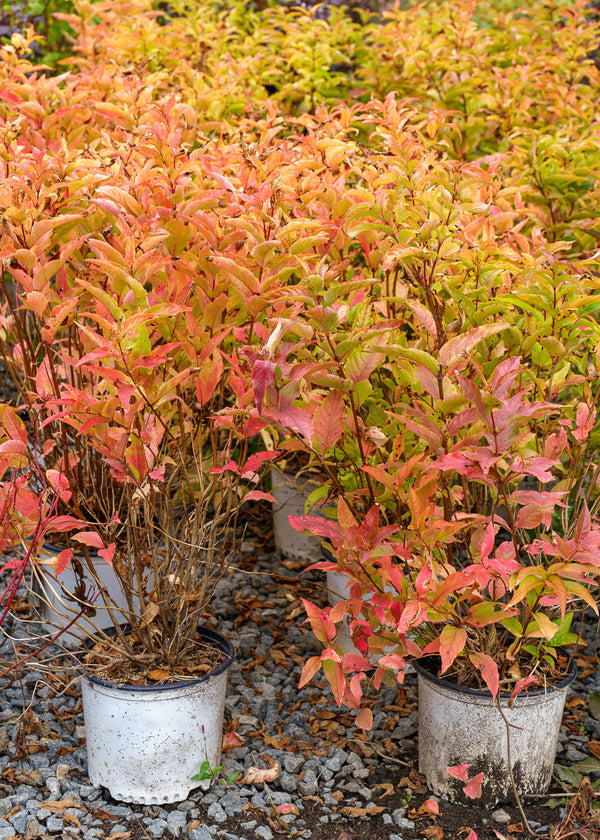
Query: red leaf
point(107, 553)
point(322, 625)
point(489, 671)
point(231, 740)
point(473, 787)
point(521, 684)
point(208, 378)
point(89, 538)
point(62, 560)
point(452, 642)
point(364, 719)
point(487, 545)
point(262, 376)
point(328, 422)
point(459, 771)
point(43, 380)
point(258, 496)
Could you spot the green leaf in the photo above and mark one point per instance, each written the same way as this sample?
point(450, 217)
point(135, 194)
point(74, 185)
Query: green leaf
point(204, 773)
point(595, 704)
point(568, 775)
point(588, 765)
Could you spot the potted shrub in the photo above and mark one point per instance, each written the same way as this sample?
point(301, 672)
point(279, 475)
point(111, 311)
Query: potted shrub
point(478, 582)
point(173, 474)
point(118, 333)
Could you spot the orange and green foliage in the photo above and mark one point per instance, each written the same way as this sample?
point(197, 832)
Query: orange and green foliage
point(317, 229)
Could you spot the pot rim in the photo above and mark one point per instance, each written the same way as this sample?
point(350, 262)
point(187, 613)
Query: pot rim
point(424, 671)
point(212, 636)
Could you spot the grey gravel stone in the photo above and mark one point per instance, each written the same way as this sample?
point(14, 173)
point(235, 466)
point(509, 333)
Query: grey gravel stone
point(232, 803)
point(54, 824)
point(216, 813)
point(336, 761)
point(176, 821)
point(19, 821)
point(288, 782)
point(6, 831)
point(574, 755)
point(403, 822)
point(308, 785)
point(156, 827)
point(264, 832)
point(200, 833)
point(501, 816)
point(293, 762)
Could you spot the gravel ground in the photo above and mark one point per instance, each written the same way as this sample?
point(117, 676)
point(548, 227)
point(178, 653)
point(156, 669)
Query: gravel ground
point(340, 783)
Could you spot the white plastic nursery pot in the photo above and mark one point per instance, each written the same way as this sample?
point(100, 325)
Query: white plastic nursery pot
point(57, 611)
point(144, 743)
point(291, 492)
point(338, 589)
point(464, 726)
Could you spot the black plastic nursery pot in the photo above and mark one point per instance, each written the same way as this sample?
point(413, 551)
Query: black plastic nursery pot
point(465, 726)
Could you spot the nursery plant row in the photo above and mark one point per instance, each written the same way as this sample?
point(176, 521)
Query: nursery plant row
point(360, 246)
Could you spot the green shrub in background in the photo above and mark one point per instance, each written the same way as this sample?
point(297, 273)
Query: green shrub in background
point(55, 35)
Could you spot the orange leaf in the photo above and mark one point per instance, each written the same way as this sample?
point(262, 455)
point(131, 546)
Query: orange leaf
point(159, 674)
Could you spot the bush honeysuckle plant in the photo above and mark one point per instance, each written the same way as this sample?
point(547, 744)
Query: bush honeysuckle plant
point(220, 222)
point(477, 569)
point(29, 512)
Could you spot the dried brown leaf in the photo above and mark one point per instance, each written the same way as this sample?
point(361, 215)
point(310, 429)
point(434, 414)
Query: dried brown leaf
point(60, 806)
point(256, 775)
point(355, 813)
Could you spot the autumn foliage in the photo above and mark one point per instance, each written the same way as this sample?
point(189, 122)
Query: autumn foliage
point(365, 238)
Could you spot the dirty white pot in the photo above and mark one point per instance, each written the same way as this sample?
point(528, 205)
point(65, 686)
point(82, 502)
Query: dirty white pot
point(144, 743)
point(57, 610)
point(338, 589)
point(464, 726)
point(291, 492)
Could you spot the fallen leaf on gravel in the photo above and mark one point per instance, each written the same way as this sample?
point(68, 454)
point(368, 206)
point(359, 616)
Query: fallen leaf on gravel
point(427, 809)
point(287, 808)
point(434, 832)
point(60, 806)
point(387, 789)
point(104, 815)
point(518, 827)
point(594, 703)
point(354, 813)
point(120, 835)
point(72, 819)
point(345, 836)
point(231, 740)
point(254, 775)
